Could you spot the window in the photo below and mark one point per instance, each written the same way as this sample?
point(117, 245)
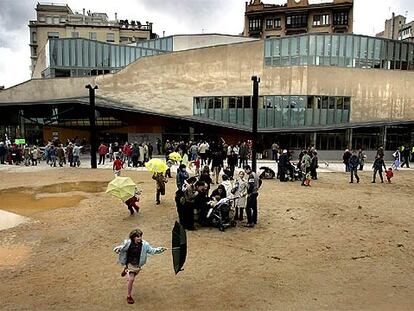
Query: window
point(110, 37)
point(277, 23)
point(56, 20)
point(34, 37)
point(297, 21)
point(53, 35)
point(255, 24)
point(316, 20)
point(340, 18)
point(48, 19)
point(321, 20)
point(75, 34)
point(269, 23)
point(92, 35)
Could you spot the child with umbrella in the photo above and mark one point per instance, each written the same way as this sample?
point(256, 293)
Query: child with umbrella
point(133, 254)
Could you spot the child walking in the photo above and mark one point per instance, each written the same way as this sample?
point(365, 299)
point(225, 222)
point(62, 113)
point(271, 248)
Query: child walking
point(389, 174)
point(117, 166)
point(160, 181)
point(133, 254)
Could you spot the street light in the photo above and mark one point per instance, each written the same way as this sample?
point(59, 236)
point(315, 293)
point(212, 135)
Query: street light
point(255, 103)
point(92, 128)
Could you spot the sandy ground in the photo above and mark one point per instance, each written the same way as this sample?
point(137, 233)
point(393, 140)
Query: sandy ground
point(333, 246)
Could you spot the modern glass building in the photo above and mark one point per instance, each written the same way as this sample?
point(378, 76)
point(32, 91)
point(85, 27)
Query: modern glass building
point(72, 57)
point(276, 111)
point(342, 50)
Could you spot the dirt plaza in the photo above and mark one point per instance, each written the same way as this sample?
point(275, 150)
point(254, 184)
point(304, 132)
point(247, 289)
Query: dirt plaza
point(333, 246)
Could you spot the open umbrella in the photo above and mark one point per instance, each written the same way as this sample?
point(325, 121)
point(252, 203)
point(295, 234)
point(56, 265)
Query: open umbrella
point(179, 247)
point(121, 187)
point(175, 156)
point(156, 166)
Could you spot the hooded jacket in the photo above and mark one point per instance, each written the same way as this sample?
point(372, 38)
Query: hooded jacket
point(146, 249)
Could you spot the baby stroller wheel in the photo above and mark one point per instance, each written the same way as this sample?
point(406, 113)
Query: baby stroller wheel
point(221, 228)
point(233, 223)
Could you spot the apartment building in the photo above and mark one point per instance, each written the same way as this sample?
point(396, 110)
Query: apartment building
point(297, 17)
point(60, 21)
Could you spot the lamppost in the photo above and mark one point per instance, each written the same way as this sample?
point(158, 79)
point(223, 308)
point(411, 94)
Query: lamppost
point(92, 119)
point(255, 101)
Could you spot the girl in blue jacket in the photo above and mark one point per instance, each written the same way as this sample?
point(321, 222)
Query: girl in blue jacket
point(133, 255)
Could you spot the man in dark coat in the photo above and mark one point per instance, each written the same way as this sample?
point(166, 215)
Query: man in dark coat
point(353, 166)
point(378, 165)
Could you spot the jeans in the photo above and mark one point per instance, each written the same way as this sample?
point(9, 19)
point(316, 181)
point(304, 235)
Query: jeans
point(251, 208)
point(101, 159)
point(354, 171)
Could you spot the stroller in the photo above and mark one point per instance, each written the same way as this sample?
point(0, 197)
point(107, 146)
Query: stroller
point(220, 214)
point(267, 173)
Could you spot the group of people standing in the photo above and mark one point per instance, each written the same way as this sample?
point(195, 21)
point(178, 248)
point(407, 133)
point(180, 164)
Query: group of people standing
point(132, 154)
point(193, 198)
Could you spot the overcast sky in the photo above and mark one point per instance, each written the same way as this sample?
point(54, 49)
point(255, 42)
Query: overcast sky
point(171, 16)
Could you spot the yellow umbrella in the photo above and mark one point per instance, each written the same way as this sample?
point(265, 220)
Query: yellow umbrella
point(156, 166)
point(121, 187)
point(175, 156)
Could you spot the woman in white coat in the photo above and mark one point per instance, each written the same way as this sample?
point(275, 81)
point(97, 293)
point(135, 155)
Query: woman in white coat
point(241, 195)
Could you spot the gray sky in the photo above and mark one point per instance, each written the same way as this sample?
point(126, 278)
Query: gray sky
point(171, 16)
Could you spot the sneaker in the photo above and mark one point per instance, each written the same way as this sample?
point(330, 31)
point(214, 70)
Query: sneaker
point(124, 272)
point(249, 225)
point(158, 202)
point(130, 300)
point(351, 182)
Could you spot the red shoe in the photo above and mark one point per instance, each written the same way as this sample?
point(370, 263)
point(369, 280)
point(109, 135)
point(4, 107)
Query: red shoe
point(130, 300)
point(124, 272)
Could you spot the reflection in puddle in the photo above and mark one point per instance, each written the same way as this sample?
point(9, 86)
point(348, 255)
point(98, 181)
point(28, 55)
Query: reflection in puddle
point(28, 201)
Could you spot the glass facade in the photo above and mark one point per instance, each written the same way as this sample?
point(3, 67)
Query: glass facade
point(164, 44)
point(276, 111)
point(342, 50)
point(75, 55)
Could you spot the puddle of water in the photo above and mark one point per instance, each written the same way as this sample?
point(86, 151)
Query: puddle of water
point(28, 201)
point(9, 220)
point(13, 255)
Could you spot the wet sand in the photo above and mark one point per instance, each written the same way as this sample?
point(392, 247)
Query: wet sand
point(333, 246)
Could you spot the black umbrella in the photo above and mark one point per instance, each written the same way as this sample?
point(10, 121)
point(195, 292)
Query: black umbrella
point(179, 247)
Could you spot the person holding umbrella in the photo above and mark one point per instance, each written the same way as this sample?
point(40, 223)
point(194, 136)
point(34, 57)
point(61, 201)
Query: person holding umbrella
point(133, 254)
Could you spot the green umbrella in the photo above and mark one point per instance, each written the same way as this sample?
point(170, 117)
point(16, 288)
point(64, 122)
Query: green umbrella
point(179, 247)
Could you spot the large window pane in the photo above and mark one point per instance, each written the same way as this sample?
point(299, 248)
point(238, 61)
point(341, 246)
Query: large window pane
point(276, 52)
point(66, 53)
point(327, 50)
point(294, 50)
point(303, 49)
point(278, 111)
point(319, 50)
point(335, 51)
point(312, 50)
point(349, 57)
point(92, 49)
point(79, 53)
point(99, 53)
point(285, 111)
point(285, 52)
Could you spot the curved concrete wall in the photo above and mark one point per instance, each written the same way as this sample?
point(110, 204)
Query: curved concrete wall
point(46, 89)
point(167, 83)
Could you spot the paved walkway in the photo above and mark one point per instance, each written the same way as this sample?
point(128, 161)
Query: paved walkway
point(324, 167)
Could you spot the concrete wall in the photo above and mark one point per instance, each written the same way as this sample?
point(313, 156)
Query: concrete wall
point(376, 94)
point(183, 42)
point(46, 89)
point(167, 83)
